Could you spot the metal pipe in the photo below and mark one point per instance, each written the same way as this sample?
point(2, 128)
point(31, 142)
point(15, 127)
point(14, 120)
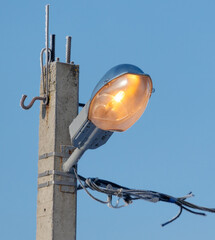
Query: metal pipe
point(47, 49)
point(52, 47)
point(78, 152)
point(68, 48)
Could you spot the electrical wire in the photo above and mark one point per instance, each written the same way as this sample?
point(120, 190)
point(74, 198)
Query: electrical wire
point(129, 195)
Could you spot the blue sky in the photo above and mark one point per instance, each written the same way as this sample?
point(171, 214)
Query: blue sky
point(170, 149)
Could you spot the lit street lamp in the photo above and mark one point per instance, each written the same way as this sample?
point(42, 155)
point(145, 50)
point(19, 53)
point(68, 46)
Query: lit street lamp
point(117, 102)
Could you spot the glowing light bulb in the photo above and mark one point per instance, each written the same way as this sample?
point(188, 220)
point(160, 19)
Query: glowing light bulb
point(119, 96)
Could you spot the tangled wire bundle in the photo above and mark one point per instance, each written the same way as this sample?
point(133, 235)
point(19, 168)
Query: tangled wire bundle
point(129, 195)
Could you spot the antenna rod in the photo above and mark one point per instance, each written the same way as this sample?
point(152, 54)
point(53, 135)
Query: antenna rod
point(68, 48)
point(47, 49)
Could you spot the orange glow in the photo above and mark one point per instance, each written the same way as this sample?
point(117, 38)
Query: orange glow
point(121, 102)
point(119, 96)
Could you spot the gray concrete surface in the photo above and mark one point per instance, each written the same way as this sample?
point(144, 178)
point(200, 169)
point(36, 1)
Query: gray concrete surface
point(56, 204)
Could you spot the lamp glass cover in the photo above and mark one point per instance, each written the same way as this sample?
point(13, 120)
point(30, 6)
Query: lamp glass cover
point(121, 102)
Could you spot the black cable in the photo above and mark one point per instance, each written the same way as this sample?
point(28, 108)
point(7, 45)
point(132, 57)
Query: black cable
point(128, 195)
point(173, 219)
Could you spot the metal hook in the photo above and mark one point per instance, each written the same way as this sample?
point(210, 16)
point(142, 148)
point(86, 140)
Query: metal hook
point(32, 101)
point(45, 99)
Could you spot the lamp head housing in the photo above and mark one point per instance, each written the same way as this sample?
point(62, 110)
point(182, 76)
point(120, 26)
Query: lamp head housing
point(120, 98)
point(117, 102)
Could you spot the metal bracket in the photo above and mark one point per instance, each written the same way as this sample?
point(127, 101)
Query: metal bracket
point(62, 183)
point(67, 149)
point(55, 154)
point(65, 184)
point(71, 182)
point(65, 153)
point(54, 172)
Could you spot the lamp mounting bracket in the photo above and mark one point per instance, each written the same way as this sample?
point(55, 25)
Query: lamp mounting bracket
point(65, 152)
point(66, 181)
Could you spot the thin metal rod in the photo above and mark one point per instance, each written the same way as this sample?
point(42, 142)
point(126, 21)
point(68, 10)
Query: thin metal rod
point(47, 49)
point(52, 47)
point(68, 48)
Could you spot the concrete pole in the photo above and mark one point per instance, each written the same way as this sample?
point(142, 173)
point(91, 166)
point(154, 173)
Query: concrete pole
point(57, 199)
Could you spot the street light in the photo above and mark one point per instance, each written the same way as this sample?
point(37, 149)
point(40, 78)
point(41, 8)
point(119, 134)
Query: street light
point(117, 102)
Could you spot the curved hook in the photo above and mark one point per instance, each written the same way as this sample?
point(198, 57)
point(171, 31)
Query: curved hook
point(31, 103)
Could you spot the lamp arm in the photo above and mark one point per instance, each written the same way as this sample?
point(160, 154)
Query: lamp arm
point(78, 152)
